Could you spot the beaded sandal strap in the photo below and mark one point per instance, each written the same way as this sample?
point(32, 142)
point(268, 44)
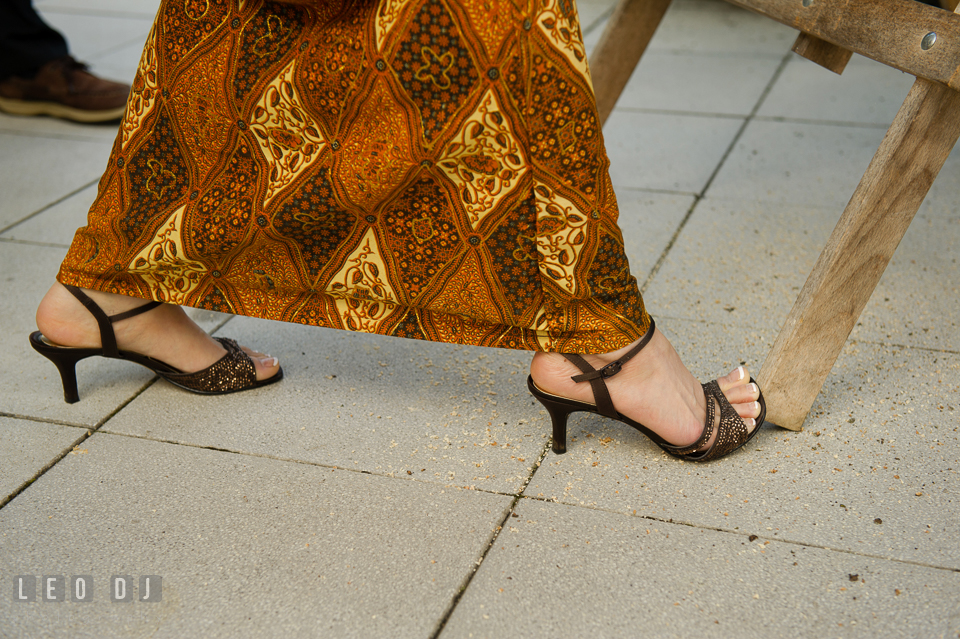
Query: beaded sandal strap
point(232, 372)
point(731, 431)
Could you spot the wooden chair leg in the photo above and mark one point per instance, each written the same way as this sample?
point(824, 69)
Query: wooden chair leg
point(879, 213)
point(625, 38)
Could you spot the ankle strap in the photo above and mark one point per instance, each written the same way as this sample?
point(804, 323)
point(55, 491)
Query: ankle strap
point(590, 374)
point(108, 339)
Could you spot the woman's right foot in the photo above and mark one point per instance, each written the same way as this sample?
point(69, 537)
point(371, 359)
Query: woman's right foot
point(653, 388)
point(165, 333)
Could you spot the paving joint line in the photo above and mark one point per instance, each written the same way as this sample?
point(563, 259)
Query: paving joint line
point(748, 535)
point(931, 349)
point(96, 13)
point(84, 437)
point(49, 206)
point(51, 135)
point(598, 21)
point(43, 420)
point(758, 118)
point(700, 195)
point(90, 431)
point(713, 54)
point(304, 462)
point(640, 189)
point(681, 113)
point(13, 240)
point(790, 120)
point(13, 495)
point(493, 540)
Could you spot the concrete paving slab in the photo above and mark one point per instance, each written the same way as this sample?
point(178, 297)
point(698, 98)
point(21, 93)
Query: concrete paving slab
point(126, 8)
point(698, 83)
point(122, 63)
point(558, 571)
point(740, 262)
point(27, 447)
point(592, 35)
point(760, 254)
point(245, 546)
point(707, 26)
point(592, 13)
point(36, 171)
point(881, 443)
point(944, 195)
point(648, 222)
point(55, 128)
point(91, 36)
point(57, 224)
point(30, 382)
point(443, 413)
point(867, 92)
point(665, 151)
point(916, 301)
point(797, 163)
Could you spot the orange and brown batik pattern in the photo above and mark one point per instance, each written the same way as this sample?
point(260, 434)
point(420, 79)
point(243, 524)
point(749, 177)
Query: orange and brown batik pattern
point(420, 168)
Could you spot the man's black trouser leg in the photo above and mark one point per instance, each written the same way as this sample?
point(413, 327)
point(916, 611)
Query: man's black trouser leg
point(26, 41)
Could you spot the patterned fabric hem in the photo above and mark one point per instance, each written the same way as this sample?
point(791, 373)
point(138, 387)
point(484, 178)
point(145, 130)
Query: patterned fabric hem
point(325, 311)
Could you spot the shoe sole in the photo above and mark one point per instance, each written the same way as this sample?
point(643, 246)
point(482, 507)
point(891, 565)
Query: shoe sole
point(54, 109)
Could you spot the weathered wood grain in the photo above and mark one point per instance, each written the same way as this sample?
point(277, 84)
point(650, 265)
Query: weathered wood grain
point(624, 39)
point(889, 31)
point(829, 56)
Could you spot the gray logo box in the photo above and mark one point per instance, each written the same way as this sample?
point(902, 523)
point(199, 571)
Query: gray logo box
point(81, 588)
point(151, 588)
point(24, 588)
point(53, 588)
point(121, 588)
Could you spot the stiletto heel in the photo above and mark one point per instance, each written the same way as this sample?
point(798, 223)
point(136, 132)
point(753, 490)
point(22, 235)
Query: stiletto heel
point(68, 377)
point(559, 419)
point(233, 372)
point(732, 433)
point(558, 416)
point(65, 359)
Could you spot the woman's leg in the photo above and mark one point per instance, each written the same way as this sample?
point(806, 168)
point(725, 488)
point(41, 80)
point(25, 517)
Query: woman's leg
point(165, 333)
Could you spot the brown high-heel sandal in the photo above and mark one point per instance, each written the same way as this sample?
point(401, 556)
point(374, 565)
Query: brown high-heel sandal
point(233, 372)
point(732, 433)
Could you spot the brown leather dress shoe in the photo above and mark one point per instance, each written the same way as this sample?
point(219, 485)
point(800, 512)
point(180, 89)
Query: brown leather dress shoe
point(64, 88)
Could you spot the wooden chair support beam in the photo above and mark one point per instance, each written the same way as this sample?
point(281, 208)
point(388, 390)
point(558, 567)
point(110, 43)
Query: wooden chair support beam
point(893, 32)
point(624, 39)
point(879, 213)
point(827, 55)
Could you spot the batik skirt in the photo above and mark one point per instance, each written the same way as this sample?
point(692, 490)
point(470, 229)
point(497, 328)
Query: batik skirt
point(430, 169)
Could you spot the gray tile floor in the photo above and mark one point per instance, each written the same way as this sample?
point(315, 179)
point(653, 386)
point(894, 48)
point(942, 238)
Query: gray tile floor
point(392, 488)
